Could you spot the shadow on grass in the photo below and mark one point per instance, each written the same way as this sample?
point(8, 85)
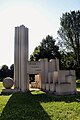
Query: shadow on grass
point(54, 98)
point(26, 106)
point(23, 106)
point(5, 94)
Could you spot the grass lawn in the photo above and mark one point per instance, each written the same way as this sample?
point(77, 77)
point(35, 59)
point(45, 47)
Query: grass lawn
point(37, 105)
point(78, 84)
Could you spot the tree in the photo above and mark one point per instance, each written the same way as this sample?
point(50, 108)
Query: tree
point(1, 78)
point(67, 61)
point(46, 49)
point(12, 71)
point(4, 71)
point(70, 33)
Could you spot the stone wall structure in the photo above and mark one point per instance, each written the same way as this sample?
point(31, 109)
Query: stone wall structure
point(60, 82)
point(47, 74)
point(51, 78)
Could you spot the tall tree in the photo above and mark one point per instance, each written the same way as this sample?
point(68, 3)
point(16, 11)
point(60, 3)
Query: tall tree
point(4, 71)
point(69, 33)
point(12, 71)
point(46, 49)
point(67, 60)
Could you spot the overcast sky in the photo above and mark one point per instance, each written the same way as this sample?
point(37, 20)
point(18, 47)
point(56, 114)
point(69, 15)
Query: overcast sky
point(42, 17)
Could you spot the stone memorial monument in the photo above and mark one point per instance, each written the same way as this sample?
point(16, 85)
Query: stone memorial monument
point(47, 74)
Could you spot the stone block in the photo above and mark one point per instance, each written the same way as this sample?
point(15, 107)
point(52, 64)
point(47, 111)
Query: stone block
point(10, 90)
point(72, 80)
point(72, 72)
point(61, 76)
point(55, 76)
point(50, 77)
point(51, 87)
point(43, 86)
point(66, 72)
point(57, 64)
point(63, 89)
point(47, 87)
point(33, 84)
point(51, 65)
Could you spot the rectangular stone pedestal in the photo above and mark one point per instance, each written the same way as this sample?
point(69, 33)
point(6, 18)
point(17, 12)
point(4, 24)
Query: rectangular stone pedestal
point(10, 90)
point(47, 87)
point(72, 80)
point(63, 89)
point(43, 86)
point(51, 87)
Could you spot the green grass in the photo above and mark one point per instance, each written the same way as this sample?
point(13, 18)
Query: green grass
point(37, 105)
point(78, 84)
point(1, 86)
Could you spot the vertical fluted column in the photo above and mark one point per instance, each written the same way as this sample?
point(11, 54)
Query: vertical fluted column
point(42, 76)
point(21, 58)
point(46, 69)
point(26, 57)
point(16, 58)
point(57, 64)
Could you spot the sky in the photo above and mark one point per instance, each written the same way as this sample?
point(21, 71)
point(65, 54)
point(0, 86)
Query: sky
point(41, 17)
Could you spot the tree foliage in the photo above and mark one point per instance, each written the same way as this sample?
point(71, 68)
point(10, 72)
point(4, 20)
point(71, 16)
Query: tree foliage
point(46, 49)
point(67, 61)
point(6, 72)
point(70, 32)
point(12, 71)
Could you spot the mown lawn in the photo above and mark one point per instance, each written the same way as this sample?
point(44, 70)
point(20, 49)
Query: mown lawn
point(37, 105)
point(78, 84)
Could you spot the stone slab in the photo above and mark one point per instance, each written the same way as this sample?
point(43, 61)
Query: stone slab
point(72, 80)
point(51, 87)
point(47, 87)
point(10, 90)
point(43, 87)
point(64, 89)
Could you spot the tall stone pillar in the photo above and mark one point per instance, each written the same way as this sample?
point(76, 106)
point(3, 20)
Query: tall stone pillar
point(57, 64)
point(16, 58)
point(44, 73)
point(51, 70)
point(42, 76)
point(21, 58)
point(19, 80)
point(52, 65)
point(46, 70)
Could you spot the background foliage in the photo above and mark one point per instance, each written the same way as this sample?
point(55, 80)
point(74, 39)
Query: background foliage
point(5, 71)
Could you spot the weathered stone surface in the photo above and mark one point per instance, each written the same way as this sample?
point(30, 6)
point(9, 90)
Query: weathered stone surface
point(47, 74)
point(52, 87)
point(8, 82)
point(21, 58)
point(47, 87)
point(10, 90)
point(64, 89)
point(43, 87)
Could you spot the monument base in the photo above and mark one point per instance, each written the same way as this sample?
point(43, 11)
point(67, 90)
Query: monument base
point(64, 89)
point(47, 87)
point(10, 90)
point(52, 87)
